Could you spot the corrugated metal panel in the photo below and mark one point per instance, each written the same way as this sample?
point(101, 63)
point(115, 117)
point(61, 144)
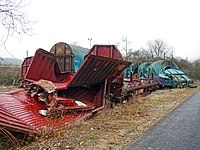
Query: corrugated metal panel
point(25, 65)
point(96, 69)
point(19, 112)
point(44, 66)
point(109, 51)
point(87, 88)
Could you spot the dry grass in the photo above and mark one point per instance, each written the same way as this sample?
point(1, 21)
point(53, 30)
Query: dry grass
point(7, 88)
point(116, 128)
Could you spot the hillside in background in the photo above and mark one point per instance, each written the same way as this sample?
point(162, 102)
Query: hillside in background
point(10, 61)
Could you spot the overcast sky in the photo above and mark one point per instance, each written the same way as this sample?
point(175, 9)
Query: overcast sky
point(105, 21)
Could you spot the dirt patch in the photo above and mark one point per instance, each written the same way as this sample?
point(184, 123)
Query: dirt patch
point(118, 127)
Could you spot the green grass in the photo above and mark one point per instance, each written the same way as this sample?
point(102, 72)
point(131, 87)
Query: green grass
point(93, 137)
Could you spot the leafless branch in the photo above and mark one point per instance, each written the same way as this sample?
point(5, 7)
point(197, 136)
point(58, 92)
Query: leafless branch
point(13, 20)
point(158, 49)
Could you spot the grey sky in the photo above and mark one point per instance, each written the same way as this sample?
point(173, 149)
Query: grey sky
point(106, 21)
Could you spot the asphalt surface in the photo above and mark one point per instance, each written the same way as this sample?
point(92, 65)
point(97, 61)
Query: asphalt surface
point(179, 130)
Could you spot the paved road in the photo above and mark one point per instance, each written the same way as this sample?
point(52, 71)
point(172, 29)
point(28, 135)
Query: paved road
point(179, 130)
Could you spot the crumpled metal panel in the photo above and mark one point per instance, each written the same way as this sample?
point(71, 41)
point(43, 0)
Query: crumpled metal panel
point(79, 94)
point(44, 66)
point(25, 65)
point(96, 69)
point(19, 112)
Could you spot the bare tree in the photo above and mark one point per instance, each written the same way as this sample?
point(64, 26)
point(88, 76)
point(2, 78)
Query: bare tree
point(125, 46)
point(12, 19)
point(159, 49)
point(139, 56)
point(155, 50)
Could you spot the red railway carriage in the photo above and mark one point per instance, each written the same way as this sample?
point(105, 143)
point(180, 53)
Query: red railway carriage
point(52, 96)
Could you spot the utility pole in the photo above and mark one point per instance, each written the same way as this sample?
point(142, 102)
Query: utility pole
point(27, 53)
point(90, 39)
point(126, 48)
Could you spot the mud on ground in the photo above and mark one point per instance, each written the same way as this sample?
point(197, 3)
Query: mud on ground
point(117, 127)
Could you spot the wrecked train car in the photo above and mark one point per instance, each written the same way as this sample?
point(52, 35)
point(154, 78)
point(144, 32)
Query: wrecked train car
point(169, 74)
point(139, 79)
point(54, 96)
point(166, 73)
